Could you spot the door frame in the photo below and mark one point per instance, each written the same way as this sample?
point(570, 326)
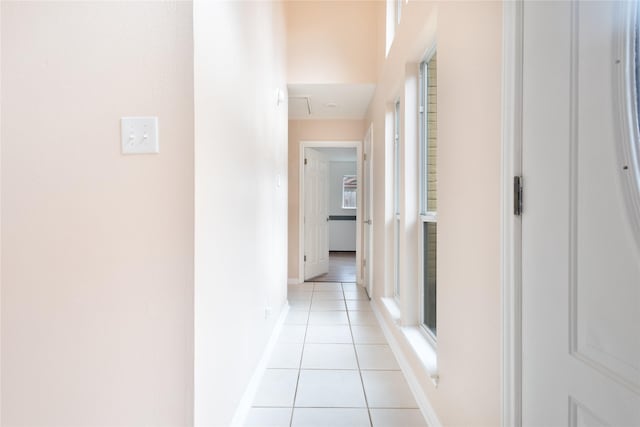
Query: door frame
point(330, 144)
point(511, 225)
point(367, 166)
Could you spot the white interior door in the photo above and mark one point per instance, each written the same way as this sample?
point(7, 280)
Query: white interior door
point(581, 260)
point(316, 218)
point(367, 242)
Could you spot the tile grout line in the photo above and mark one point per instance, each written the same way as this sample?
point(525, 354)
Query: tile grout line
point(349, 324)
point(304, 341)
point(315, 292)
point(353, 341)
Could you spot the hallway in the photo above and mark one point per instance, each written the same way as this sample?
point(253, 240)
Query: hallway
point(332, 366)
point(154, 205)
point(342, 268)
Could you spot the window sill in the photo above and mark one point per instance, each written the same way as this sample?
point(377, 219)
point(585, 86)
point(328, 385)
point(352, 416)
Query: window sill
point(423, 349)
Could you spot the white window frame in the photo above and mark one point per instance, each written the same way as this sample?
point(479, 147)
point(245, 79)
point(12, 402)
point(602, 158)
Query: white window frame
point(426, 216)
point(390, 24)
point(396, 199)
point(394, 9)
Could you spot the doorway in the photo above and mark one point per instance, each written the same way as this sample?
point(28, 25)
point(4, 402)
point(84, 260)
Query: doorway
point(342, 268)
point(330, 219)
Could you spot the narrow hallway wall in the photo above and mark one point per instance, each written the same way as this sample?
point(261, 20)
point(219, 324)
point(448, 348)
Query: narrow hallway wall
point(240, 196)
point(469, 47)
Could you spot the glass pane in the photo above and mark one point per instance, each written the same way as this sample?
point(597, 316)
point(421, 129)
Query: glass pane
point(635, 142)
point(396, 198)
point(432, 136)
point(423, 139)
point(396, 161)
point(430, 258)
point(349, 191)
point(396, 260)
point(637, 62)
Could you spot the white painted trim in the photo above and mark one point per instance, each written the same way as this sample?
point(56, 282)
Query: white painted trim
point(243, 408)
point(359, 219)
point(368, 164)
point(293, 281)
point(330, 144)
point(423, 343)
point(418, 393)
point(511, 225)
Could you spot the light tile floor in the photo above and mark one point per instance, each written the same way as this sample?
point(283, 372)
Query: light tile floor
point(332, 366)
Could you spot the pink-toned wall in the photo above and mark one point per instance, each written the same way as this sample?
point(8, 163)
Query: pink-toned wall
point(240, 197)
point(97, 259)
point(310, 130)
point(333, 41)
point(469, 51)
point(469, 46)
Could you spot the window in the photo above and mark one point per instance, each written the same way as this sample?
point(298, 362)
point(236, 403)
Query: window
point(636, 55)
point(428, 190)
point(396, 198)
point(393, 16)
point(349, 191)
point(630, 149)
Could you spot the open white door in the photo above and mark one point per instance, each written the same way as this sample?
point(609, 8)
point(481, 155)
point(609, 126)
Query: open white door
point(367, 241)
point(581, 259)
point(316, 218)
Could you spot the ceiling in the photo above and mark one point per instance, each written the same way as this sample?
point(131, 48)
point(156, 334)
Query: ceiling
point(350, 100)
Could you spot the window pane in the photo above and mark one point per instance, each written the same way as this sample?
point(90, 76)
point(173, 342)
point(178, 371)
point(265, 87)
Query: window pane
point(396, 198)
point(636, 149)
point(396, 161)
point(349, 191)
point(423, 140)
point(637, 61)
point(430, 258)
point(396, 258)
point(432, 136)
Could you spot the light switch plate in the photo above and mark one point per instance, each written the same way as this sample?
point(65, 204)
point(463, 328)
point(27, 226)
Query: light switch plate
point(139, 135)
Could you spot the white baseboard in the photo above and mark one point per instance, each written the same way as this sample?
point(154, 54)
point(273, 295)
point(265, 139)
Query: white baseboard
point(244, 406)
point(293, 281)
point(418, 393)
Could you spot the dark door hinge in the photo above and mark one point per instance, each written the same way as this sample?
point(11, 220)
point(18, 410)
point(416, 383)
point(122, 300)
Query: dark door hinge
point(517, 195)
point(305, 258)
point(305, 161)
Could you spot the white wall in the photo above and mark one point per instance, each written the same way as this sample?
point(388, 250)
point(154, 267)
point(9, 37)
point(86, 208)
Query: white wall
point(469, 42)
point(99, 266)
point(342, 234)
point(240, 210)
point(97, 247)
